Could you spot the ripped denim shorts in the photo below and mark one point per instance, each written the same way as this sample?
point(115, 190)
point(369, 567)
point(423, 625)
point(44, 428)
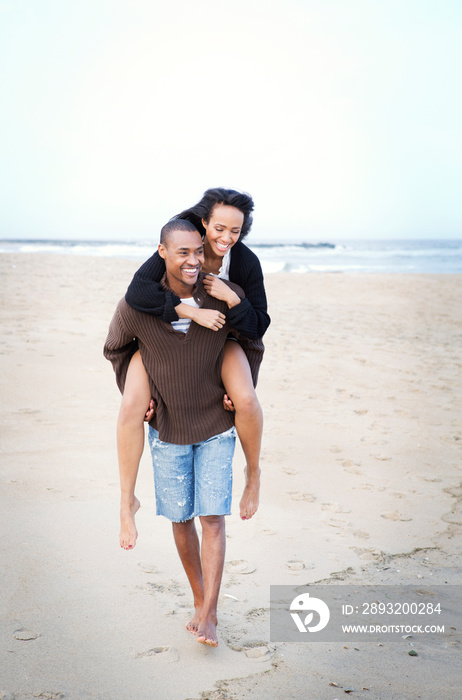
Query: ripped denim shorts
point(193, 480)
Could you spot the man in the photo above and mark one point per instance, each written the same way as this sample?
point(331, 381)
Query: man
point(191, 436)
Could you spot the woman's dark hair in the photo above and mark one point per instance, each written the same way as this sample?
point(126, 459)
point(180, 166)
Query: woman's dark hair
point(219, 195)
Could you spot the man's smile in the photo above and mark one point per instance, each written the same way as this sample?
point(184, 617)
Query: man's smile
point(191, 270)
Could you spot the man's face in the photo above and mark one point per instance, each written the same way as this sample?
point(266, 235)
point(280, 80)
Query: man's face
point(184, 257)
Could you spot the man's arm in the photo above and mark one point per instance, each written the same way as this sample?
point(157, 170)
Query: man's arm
point(120, 345)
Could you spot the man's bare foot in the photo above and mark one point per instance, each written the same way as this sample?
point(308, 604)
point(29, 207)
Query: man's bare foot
point(207, 631)
point(193, 624)
point(251, 497)
point(128, 531)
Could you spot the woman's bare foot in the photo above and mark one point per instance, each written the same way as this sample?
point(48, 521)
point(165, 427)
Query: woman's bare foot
point(193, 624)
point(207, 631)
point(251, 496)
point(128, 531)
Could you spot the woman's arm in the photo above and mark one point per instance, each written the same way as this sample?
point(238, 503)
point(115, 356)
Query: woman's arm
point(250, 316)
point(146, 294)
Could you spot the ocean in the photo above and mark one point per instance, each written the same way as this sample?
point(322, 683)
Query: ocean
point(412, 256)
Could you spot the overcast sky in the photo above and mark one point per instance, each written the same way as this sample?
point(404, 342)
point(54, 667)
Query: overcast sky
point(342, 118)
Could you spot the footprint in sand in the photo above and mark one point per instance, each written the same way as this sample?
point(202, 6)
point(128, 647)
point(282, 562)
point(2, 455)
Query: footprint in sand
point(451, 439)
point(351, 467)
point(395, 515)
point(362, 534)
point(382, 458)
point(301, 496)
point(350, 463)
point(335, 508)
point(454, 517)
point(372, 439)
point(290, 470)
point(148, 568)
point(338, 522)
point(401, 412)
point(262, 652)
point(239, 566)
point(26, 635)
point(455, 491)
point(268, 531)
point(295, 565)
point(375, 555)
point(165, 654)
point(257, 614)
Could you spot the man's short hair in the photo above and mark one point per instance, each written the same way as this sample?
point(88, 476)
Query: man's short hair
point(175, 225)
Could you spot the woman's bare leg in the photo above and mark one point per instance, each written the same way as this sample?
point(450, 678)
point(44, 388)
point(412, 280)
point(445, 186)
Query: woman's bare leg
point(237, 380)
point(130, 444)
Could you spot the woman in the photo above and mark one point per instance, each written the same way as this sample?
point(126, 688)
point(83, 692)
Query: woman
point(224, 218)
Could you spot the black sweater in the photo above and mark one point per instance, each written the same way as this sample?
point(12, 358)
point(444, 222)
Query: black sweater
point(249, 317)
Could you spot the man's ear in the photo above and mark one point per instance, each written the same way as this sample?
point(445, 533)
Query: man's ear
point(161, 250)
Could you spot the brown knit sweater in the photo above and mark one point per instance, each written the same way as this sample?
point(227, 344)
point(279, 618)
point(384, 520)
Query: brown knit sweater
point(184, 369)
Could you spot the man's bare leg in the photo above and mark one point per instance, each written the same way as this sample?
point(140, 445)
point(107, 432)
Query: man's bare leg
point(237, 380)
point(213, 559)
point(204, 569)
point(130, 444)
point(187, 544)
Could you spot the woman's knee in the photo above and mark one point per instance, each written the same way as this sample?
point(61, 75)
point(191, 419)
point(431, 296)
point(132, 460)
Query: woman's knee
point(136, 396)
point(131, 413)
point(237, 379)
point(134, 405)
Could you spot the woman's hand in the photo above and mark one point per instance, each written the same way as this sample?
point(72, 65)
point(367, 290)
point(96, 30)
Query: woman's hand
point(209, 318)
point(151, 410)
point(228, 404)
point(218, 289)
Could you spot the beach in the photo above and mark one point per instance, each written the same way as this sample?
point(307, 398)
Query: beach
point(361, 392)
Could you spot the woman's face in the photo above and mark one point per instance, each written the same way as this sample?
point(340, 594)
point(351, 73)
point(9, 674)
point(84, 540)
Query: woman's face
point(223, 229)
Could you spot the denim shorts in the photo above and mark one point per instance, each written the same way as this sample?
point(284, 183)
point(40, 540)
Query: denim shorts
point(193, 480)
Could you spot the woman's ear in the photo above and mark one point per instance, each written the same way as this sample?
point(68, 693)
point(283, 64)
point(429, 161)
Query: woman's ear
point(204, 223)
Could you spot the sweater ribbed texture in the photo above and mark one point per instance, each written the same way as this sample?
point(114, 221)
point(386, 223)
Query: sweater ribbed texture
point(184, 369)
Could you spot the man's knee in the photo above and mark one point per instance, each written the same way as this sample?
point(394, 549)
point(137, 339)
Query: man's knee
point(213, 522)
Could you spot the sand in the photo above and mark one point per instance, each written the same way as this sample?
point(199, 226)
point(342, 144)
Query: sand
point(361, 390)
